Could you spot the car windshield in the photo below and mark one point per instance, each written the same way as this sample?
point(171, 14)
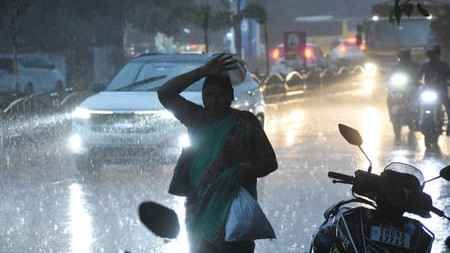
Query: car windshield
point(410, 33)
point(406, 169)
point(134, 76)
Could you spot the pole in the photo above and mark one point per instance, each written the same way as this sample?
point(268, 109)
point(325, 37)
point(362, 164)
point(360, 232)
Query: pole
point(266, 42)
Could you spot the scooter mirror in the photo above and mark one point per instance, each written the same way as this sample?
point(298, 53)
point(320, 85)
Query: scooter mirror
point(351, 135)
point(160, 220)
point(445, 173)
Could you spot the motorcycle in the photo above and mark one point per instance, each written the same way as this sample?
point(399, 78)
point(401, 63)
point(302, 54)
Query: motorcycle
point(431, 115)
point(401, 111)
point(373, 221)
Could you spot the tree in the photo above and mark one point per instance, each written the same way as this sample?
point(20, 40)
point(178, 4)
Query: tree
point(164, 16)
point(203, 16)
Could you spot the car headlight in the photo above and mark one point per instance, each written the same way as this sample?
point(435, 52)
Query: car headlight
point(81, 113)
point(399, 80)
point(370, 68)
point(429, 97)
point(184, 141)
point(75, 144)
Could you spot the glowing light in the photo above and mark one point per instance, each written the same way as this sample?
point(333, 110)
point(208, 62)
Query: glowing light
point(351, 40)
point(363, 46)
point(399, 80)
point(81, 113)
point(309, 53)
point(343, 49)
point(276, 54)
point(75, 144)
point(80, 221)
point(429, 97)
point(370, 69)
point(430, 17)
point(230, 36)
point(375, 18)
point(184, 141)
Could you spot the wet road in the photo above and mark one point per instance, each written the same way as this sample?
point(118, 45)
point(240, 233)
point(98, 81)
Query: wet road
point(48, 206)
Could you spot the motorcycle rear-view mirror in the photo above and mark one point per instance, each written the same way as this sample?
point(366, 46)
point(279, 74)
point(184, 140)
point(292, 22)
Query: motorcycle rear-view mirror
point(351, 135)
point(445, 173)
point(160, 220)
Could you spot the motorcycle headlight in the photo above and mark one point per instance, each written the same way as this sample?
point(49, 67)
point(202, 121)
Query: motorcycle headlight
point(429, 97)
point(399, 80)
point(81, 113)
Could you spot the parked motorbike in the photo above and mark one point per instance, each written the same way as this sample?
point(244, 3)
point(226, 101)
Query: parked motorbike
point(431, 115)
point(401, 109)
point(373, 221)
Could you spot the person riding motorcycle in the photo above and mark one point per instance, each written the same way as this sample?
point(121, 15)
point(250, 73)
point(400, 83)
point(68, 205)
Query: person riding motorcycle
point(407, 66)
point(437, 72)
point(404, 72)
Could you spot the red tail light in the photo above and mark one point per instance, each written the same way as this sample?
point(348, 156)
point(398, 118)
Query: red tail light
point(276, 54)
point(343, 49)
point(309, 53)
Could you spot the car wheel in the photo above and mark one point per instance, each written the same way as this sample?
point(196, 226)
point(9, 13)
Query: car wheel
point(28, 89)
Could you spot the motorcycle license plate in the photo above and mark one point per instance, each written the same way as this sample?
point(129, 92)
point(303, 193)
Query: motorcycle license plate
point(390, 236)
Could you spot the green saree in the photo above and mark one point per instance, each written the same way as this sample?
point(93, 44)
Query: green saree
point(215, 183)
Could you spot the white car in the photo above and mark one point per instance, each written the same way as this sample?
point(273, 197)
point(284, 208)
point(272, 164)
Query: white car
point(35, 75)
point(346, 52)
point(126, 120)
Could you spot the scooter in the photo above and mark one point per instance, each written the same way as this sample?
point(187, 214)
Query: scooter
point(374, 221)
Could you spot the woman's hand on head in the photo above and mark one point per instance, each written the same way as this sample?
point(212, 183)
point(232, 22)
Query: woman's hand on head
point(219, 64)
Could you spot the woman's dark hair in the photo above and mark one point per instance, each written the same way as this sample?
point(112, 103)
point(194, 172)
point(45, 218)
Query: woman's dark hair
point(222, 81)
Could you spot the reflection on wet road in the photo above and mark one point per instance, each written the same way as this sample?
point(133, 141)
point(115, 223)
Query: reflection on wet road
point(49, 206)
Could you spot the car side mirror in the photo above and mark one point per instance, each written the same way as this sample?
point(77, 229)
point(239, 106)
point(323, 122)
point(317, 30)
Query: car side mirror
point(445, 173)
point(351, 135)
point(160, 220)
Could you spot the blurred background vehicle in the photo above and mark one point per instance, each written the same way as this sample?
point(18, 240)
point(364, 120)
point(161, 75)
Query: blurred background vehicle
point(127, 119)
point(313, 59)
point(33, 75)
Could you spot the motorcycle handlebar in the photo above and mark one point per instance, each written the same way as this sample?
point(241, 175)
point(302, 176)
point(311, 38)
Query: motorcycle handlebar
point(341, 177)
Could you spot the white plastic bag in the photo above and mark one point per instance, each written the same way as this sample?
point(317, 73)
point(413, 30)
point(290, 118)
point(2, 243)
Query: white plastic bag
point(246, 220)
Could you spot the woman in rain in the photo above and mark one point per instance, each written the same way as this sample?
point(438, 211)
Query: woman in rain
point(229, 150)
